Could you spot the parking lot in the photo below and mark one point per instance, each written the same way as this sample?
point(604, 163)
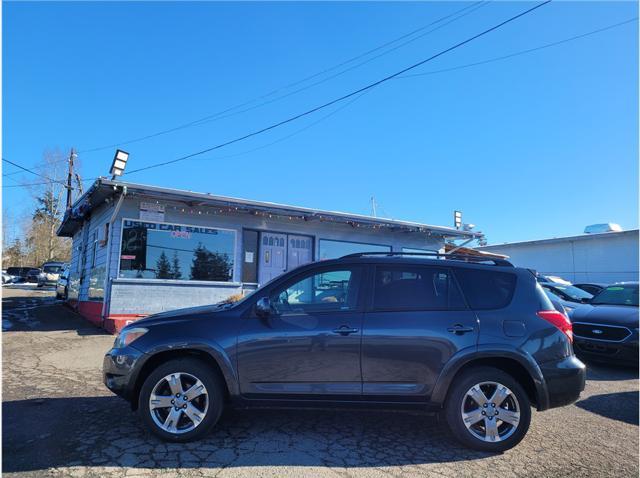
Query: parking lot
point(59, 420)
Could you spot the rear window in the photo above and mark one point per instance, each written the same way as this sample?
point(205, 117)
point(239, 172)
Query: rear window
point(415, 288)
point(622, 294)
point(486, 289)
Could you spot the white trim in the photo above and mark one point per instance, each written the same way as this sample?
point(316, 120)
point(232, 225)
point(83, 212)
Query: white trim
point(125, 280)
point(176, 281)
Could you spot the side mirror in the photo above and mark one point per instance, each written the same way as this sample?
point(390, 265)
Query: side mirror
point(263, 307)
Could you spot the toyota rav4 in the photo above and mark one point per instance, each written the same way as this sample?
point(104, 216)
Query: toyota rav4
point(475, 340)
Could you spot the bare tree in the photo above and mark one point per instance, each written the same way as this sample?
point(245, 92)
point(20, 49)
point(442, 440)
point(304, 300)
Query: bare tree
point(42, 243)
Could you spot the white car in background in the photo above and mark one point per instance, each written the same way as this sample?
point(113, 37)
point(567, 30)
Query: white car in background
point(50, 273)
point(7, 278)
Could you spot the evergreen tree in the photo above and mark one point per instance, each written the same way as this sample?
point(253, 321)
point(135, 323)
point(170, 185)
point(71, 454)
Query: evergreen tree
point(175, 267)
point(207, 265)
point(163, 267)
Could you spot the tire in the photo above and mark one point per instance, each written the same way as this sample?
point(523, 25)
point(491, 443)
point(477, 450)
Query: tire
point(477, 435)
point(206, 408)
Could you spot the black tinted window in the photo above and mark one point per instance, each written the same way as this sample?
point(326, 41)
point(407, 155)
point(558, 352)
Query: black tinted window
point(415, 287)
point(486, 289)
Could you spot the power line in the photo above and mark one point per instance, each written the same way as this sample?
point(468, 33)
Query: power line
point(227, 112)
point(344, 97)
point(340, 73)
point(49, 180)
point(523, 52)
point(337, 110)
point(50, 162)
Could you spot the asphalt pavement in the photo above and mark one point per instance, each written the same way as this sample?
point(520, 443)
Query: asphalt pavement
point(59, 420)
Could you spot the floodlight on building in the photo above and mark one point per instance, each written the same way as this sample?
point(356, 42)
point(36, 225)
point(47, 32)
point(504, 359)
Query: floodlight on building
point(457, 219)
point(119, 163)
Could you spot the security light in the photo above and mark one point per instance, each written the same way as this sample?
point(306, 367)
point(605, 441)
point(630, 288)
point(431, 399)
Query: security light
point(119, 163)
point(457, 219)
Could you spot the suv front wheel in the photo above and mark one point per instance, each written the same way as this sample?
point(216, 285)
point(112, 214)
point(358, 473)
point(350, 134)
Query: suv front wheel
point(488, 410)
point(181, 400)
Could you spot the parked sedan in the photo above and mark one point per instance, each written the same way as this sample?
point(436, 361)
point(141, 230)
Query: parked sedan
point(32, 275)
point(7, 278)
point(569, 296)
point(608, 330)
point(592, 287)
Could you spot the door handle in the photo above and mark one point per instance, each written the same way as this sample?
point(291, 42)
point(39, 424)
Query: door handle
point(459, 329)
point(345, 330)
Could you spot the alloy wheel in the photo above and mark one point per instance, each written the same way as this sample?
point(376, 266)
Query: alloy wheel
point(490, 411)
point(178, 402)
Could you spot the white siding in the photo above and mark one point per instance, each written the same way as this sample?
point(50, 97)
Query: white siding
point(608, 257)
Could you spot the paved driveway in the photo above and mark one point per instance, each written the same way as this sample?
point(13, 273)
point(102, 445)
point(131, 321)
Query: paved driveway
point(59, 420)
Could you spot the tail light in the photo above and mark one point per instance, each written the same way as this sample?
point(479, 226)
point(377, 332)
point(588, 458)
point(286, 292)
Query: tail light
point(559, 320)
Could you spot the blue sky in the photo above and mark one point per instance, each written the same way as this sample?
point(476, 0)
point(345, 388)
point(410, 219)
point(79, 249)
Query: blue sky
point(534, 146)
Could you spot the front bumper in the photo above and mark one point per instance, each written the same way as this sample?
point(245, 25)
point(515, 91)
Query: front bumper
point(565, 380)
point(625, 352)
point(120, 369)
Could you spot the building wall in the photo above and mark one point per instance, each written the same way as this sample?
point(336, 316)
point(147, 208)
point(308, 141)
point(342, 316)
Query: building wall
point(608, 257)
point(131, 298)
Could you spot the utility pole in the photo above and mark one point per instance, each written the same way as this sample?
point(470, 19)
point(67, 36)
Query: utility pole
point(72, 155)
point(373, 206)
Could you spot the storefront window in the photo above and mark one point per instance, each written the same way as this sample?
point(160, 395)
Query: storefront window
point(333, 249)
point(153, 250)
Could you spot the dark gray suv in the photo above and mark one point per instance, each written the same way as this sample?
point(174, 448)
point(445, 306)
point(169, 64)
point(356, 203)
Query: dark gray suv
point(479, 342)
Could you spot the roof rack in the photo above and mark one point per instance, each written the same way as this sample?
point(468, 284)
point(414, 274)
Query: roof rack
point(457, 257)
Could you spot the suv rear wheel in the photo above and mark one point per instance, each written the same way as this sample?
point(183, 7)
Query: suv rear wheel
point(181, 400)
point(487, 409)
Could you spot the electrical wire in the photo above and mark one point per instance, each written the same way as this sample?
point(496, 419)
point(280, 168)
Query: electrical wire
point(49, 180)
point(227, 112)
point(523, 52)
point(343, 97)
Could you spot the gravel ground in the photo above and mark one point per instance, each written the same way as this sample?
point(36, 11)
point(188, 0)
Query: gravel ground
point(59, 420)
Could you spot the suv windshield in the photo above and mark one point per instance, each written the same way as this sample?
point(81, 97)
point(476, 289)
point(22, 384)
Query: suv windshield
point(622, 294)
point(569, 292)
point(52, 269)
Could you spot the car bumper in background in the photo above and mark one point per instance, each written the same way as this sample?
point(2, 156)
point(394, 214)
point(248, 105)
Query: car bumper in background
point(619, 352)
point(565, 380)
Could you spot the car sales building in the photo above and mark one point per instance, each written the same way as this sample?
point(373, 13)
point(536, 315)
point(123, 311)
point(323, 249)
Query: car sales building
point(138, 250)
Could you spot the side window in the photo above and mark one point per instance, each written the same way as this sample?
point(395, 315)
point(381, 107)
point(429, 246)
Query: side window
point(415, 288)
point(486, 289)
point(327, 290)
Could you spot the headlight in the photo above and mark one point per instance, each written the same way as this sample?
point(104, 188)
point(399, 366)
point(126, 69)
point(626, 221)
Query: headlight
point(129, 335)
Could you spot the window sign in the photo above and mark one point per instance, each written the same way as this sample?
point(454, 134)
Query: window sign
point(158, 250)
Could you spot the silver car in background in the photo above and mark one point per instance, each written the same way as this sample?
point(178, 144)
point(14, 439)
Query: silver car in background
point(50, 273)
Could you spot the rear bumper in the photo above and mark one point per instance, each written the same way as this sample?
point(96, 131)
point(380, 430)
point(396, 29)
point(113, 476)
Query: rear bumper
point(565, 380)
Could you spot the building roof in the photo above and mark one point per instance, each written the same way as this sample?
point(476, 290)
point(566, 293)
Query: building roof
point(580, 237)
point(469, 251)
point(105, 190)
